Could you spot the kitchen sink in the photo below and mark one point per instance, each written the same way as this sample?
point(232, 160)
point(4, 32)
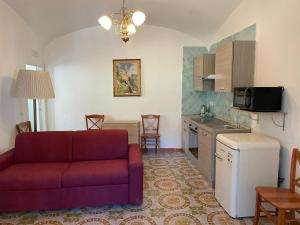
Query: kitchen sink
point(226, 126)
point(215, 123)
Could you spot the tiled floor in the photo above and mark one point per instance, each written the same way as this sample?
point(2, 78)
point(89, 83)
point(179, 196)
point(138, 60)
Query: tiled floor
point(175, 193)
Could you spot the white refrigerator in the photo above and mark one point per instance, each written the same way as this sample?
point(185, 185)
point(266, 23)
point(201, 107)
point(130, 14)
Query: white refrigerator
point(244, 161)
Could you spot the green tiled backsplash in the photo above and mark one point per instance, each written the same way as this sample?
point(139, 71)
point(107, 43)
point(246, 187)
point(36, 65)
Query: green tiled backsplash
point(191, 100)
point(219, 103)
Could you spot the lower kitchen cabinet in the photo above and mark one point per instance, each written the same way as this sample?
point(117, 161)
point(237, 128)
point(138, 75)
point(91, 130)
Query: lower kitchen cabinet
point(205, 152)
point(199, 142)
point(185, 135)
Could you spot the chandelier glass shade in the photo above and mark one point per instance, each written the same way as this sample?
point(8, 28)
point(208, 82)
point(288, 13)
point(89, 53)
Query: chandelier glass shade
point(125, 22)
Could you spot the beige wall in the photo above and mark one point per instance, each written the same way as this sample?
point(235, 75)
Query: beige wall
point(17, 43)
point(82, 61)
point(81, 65)
point(277, 62)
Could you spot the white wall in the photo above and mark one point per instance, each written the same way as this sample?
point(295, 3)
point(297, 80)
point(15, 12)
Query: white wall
point(81, 65)
point(277, 62)
point(17, 43)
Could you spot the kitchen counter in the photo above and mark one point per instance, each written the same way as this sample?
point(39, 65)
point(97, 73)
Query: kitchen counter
point(215, 125)
point(199, 141)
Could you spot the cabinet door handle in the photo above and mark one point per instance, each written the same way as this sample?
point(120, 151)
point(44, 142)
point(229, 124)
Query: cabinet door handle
point(222, 89)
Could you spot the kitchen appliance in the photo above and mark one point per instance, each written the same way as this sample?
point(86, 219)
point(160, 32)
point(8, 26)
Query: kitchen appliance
point(193, 140)
point(258, 99)
point(244, 161)
point(200, 144)
point(203, 110)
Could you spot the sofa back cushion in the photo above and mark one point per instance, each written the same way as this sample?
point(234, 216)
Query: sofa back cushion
point(51, 146)
point(100, 145)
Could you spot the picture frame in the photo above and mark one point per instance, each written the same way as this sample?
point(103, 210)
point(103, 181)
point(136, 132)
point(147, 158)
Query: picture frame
point(127, 77)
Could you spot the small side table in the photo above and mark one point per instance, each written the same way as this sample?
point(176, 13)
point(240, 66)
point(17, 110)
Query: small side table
point(132, 126)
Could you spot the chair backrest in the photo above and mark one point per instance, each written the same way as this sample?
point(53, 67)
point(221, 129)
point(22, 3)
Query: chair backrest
point(294, 181)
point(94, 122)
point(23, 127)
point(150, 123)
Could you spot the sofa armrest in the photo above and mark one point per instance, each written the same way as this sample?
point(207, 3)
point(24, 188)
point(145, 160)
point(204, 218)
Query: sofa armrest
point(135, 175)
point(6, 159)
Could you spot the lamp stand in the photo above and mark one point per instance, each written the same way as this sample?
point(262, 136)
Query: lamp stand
point(34, 116)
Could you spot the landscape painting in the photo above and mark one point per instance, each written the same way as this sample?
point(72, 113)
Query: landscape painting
point(127, 77)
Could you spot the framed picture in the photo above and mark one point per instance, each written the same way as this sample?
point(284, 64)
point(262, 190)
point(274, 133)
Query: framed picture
point(127, 77)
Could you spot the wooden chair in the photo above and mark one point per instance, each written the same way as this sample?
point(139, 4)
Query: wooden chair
point(150, 134)
point(286, 201)
point(24, 127)
point(94, 122)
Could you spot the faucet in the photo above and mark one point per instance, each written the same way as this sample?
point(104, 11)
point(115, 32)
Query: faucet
point(238, 125)
point(235, 119)
point(203, 110)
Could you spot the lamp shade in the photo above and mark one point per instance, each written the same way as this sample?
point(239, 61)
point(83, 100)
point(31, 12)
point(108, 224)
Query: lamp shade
point(34, 85)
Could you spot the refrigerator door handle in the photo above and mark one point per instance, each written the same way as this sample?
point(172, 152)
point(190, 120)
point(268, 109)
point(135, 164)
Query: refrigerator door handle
point(222, 149)
point(219, 157)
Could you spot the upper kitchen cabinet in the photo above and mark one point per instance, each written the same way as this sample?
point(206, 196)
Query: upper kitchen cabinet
point(235, 65)
point(204, 65)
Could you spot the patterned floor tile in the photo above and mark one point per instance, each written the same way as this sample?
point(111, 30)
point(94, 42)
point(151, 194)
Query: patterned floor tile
point(175, 193)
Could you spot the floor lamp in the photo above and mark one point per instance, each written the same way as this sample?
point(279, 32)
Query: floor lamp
point(34, 85)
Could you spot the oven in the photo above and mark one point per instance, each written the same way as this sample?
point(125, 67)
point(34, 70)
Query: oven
point(193, 140)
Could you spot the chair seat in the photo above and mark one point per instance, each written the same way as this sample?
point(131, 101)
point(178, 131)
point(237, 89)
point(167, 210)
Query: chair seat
point(150, 135)
point(95, 173)
point(281, 198)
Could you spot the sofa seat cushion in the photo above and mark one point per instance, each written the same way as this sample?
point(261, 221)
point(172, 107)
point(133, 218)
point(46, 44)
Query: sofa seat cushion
point(32, 176)
point(95, 173)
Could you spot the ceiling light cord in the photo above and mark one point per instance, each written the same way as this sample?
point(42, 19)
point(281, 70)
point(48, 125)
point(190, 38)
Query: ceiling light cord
point(123, 9)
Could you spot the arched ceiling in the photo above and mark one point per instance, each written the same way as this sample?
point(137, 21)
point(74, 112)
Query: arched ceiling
point(53, 18)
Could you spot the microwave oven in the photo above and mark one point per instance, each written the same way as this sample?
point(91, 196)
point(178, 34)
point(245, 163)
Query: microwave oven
point(258, 99)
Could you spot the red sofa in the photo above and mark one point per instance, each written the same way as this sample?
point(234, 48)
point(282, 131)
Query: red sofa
point(52, 170)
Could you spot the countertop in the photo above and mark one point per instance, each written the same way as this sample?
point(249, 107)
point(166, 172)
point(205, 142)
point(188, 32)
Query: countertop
point(214, 125)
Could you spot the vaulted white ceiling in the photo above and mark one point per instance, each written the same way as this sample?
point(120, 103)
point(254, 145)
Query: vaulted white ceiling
point(53, 18)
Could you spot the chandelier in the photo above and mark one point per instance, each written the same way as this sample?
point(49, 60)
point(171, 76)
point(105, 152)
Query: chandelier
point(125, 22)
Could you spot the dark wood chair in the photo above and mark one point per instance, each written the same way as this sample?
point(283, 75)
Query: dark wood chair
point(94, 122)
point(24, 127)
point(286, 201)
point(150, 136)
